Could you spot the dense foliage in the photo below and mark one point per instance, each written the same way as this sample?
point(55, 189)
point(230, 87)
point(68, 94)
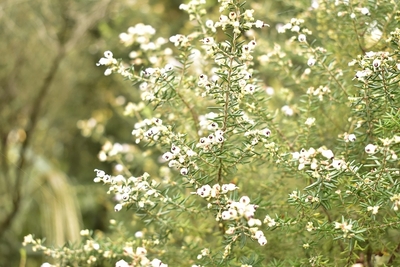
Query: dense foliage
point(253, 144)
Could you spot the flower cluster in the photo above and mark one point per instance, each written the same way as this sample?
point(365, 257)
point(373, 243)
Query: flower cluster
point(194, 8)
point(240, 209)
point(139, 258)
point(346, 228)
point(180, 40)
point(140, 34)
point(206, 143)
point(320, 91)
point(237, 20)
point(396, 199)
point(140, 37)
point(214, 151)
point(153, 82)
point(180, 158)
point(230, 210)
point(373, 62)
point(149, 129)
point(309, 157)
point(113, 65)
point(258, 135)
point(295, 25)
point(109, 151)
point(132, 190)
point(208, 192)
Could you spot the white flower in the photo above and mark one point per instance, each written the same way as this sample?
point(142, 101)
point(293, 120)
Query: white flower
point(157, 263)
point(302, 38)
point(269, 221)
point(168, 67)
point(190, 153)
point(310, 226)
point(258, 234)
point(141, 251)
point(266, 132)
point(175, 150)
point(251, 222)
point(270, 91)
point(351, 137)
point(260, 24)
point(219, 133)
point(252, 44)
point(249, 89)
point(118, 207)
point(209, 23)
point(365, 11)
point(173, 163)
point(228, 187)
point(208, 41)
point(295, 155)
point(108, 72)
point(370, 149)
point(230, 231)
point(84, 232)
point(376, 63)
point(168, 156)
point(262, 241)
point(311, 61)
point(374, 209)
point(107, 59)
point(220, 139)
point(338, 164)
point(184, 171)
point(287, 110)
point(139, 234)
point(204, 191)
point(310, 121)
point(343, 226)
point(226, 215)
point(121, 263)
point(295, 28)
point(245, 200)
point(327, 153)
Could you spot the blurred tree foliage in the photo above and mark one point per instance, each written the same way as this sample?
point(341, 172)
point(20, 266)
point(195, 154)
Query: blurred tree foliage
point(48, 82)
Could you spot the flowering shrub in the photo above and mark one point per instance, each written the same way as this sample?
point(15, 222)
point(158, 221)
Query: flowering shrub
point(270, 154)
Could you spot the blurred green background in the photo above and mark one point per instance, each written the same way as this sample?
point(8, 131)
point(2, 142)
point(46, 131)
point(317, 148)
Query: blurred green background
point(49, 82)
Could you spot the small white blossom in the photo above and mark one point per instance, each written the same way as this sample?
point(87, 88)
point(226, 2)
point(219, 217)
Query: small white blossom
point(327, 153)
point(288, 111)
point(204, 191)
point(351, 137)
point(184, 171)
point(311, 61)
point(338, 164)
point(260, 24)
point(245, 200)
point(168, 156)
point(121, 263)
point(373, 209)
point(370, 149)
point(118, 207)
point(310, 121)
point(262, 241)
point(269, 221)
point(302, 38)
point(345, 227)
point(365, 11)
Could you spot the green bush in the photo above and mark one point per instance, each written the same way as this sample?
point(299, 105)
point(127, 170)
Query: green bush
point(293, 140)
